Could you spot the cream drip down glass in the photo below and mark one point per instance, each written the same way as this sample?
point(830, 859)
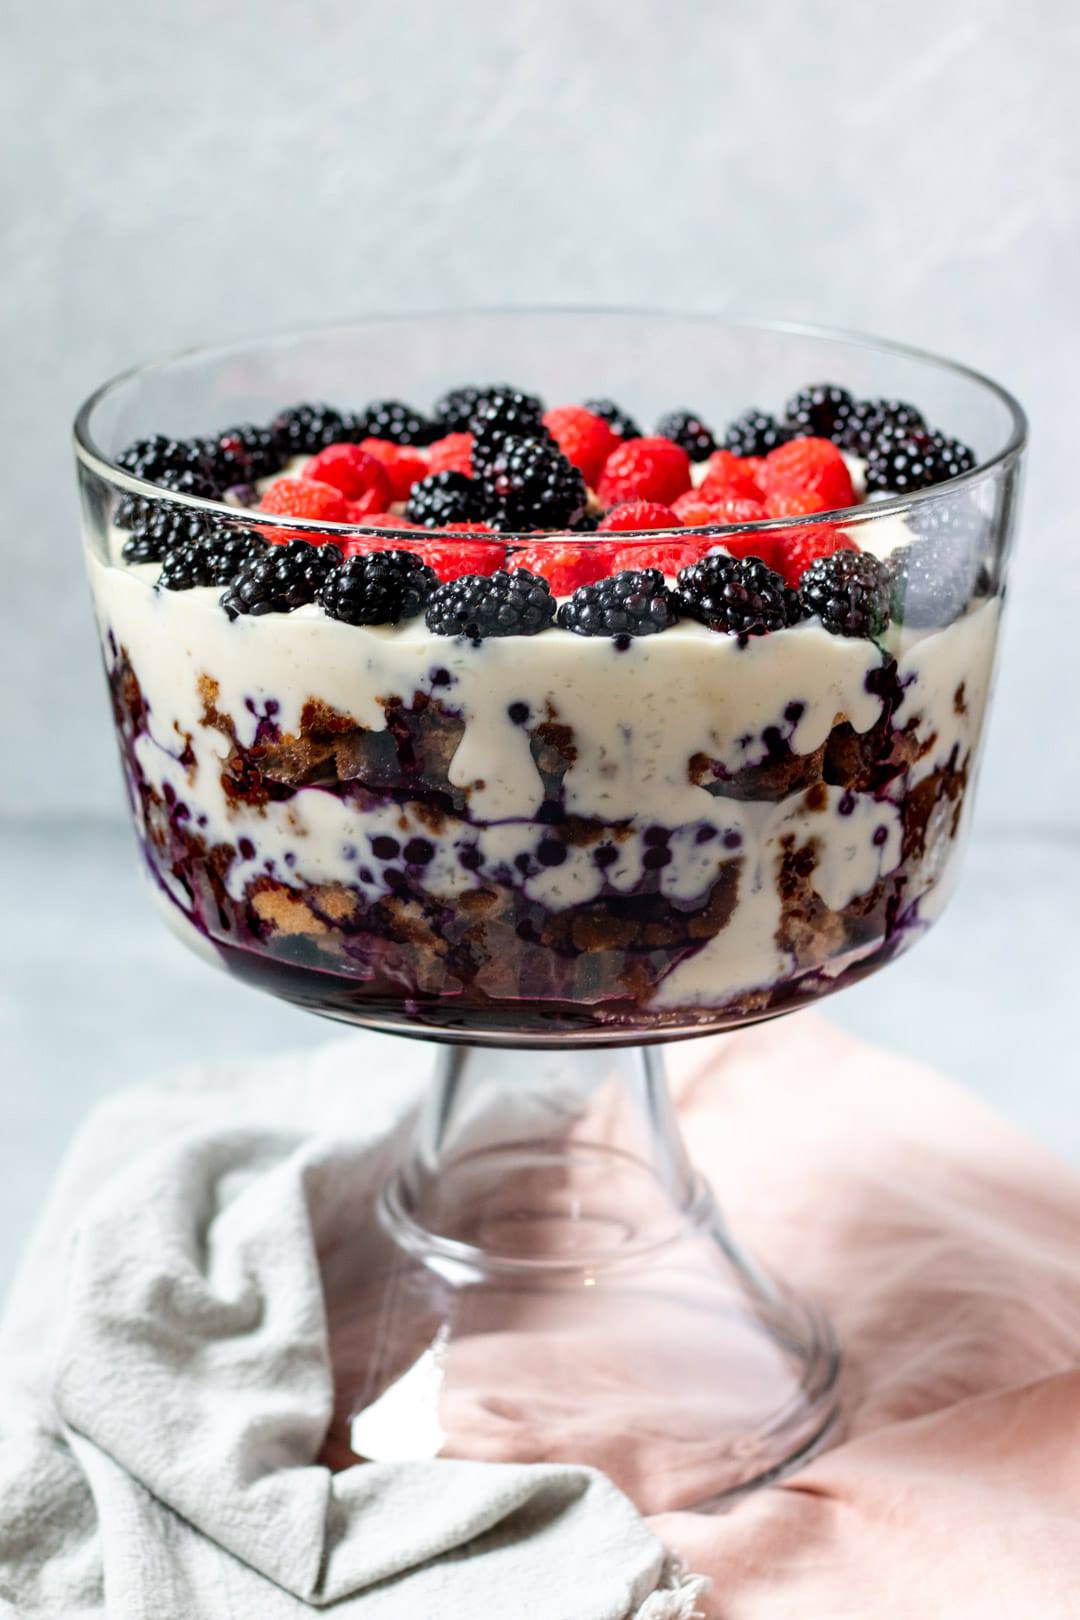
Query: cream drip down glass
point(550, 854)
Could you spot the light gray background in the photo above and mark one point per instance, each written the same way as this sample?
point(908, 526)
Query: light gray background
point(187, 173)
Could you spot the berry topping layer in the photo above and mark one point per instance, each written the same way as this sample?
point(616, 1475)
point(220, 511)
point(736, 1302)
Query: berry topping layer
point(518, 717)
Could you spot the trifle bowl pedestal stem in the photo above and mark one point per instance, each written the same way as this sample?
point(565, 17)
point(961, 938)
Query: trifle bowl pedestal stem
point(549, 1280)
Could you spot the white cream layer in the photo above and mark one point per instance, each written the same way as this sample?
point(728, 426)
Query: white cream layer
point(638, 717)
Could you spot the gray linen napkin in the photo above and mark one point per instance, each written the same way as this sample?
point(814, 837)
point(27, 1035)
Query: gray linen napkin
point(165, 1387)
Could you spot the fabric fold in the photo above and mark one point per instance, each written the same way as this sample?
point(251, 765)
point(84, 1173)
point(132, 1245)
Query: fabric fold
point(164, 1383)
point(192, 1382)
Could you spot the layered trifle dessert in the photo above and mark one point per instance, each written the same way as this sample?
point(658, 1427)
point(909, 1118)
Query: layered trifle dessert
point(516, 720)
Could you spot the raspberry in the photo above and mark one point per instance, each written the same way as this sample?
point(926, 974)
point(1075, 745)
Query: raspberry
point(795, 549)
point(453, 559)
point(358, 545)
point(498, 604)
point(810, 464)
point(794, 503)
point(666, 555)
point(645, 470)
point(452, 454)
point(722, 512)
point(355, 473)
point(727, 474)
point(692, 511)
point(733, 509)
point(304, 498)
point(403, 465)
point(761, 546)
point(639, 515)
point(584, 438)
point(565, 566)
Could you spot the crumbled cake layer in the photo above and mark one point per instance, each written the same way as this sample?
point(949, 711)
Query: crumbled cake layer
point(484, 839)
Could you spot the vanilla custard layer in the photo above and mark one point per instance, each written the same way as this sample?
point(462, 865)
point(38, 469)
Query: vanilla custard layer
point(638, 719)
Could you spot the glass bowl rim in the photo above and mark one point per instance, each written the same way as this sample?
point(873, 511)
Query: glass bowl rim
point(92, 457)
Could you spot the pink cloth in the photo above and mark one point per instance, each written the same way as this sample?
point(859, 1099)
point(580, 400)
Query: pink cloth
point(947, 1248)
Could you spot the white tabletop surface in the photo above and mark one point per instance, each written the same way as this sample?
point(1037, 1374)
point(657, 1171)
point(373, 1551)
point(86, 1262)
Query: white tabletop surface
point(97, 994)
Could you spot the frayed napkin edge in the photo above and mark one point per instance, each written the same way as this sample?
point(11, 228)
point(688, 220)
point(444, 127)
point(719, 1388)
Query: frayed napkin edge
point(676, 1598)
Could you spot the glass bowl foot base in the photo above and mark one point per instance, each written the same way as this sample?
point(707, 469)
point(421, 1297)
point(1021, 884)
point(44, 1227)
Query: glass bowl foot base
point(551, 1282)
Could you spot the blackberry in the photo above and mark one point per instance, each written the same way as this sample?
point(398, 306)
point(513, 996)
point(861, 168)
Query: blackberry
point(304, 430)
point(850, 591)
point(956, 514)
point(190, 481)
point(160, 528)
point(739, 595)
point(381, 587)
point(686, 429)
point(390, 419)
point(139, 512)
point(755, 433)
point(213, 561)
point(933, 579)
point(635, 602)
point(870, 418)
point(442, 498)
point(529, 484)
point(587, 523)
point(457, 407)
point(820, 410)
point(906, 461)
point(502, 416)
point(501, 604)
point(280, 579)
point(157, 458)
point(620, 423)
point(242, 455)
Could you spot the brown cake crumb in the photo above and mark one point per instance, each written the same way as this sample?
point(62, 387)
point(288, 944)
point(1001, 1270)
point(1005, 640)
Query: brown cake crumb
point(336, 903)
point(284, 911)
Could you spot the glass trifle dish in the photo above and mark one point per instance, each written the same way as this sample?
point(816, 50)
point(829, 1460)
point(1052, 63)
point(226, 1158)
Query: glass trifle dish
point(635, 700)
